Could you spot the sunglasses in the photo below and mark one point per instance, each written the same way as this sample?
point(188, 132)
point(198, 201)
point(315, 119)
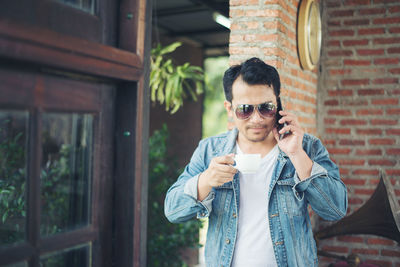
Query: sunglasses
point(244, 111)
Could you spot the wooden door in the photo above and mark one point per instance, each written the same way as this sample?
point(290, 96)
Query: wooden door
point(73, 129)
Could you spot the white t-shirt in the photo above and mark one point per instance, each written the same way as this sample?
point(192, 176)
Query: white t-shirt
point(253, 245)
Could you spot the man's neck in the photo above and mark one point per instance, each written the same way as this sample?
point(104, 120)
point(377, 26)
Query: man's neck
point(262, 147)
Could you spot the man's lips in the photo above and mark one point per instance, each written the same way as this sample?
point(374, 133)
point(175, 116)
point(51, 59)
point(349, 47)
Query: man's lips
point(257, 127)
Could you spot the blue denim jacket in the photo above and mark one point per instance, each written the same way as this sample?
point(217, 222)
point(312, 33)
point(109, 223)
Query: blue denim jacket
point(290, 226)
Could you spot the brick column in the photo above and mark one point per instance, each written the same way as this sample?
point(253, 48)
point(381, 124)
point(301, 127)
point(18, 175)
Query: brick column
point(357, 114)
point(267, 29)
point(358, 99)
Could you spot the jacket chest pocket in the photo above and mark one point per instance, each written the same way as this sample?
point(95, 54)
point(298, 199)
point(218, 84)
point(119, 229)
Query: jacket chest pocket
point(221, 208)
point(288, 201)
point(222, 200)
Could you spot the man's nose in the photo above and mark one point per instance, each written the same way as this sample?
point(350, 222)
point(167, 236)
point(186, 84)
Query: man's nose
point(256, 117)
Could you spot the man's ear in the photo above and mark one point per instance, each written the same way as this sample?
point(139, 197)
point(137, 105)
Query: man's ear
point(229, 111)
point(228, 106)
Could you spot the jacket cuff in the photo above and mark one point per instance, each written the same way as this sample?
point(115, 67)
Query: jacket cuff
point(301, 186)
point(191, 190)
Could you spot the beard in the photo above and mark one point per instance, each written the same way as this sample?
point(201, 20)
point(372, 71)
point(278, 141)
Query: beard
point(262, 132)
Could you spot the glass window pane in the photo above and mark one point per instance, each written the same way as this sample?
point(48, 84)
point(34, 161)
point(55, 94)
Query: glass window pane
point(85, 5)
point(77, 256)
point(66, 172)
point(13, 167)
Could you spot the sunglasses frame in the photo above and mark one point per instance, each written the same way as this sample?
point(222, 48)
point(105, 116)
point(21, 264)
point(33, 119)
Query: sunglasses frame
point(256, 107)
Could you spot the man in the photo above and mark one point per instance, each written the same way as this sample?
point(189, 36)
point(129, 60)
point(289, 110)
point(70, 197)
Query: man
point(258, 219)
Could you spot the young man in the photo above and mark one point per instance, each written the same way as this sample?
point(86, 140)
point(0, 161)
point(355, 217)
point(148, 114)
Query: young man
point(258, 219)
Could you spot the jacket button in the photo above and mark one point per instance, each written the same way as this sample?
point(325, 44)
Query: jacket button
point(234, 215)
point(227, 241)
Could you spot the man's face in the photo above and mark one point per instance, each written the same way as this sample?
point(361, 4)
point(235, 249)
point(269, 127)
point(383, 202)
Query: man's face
point(255, 128)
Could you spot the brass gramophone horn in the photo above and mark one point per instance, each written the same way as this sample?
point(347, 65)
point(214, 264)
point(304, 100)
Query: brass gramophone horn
point(380, 216)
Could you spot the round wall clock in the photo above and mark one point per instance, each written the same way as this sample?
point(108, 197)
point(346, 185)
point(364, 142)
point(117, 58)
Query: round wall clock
point(309, 34)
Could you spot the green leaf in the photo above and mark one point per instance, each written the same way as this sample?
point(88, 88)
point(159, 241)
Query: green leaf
point(170, 48)
point(170, 84)
point(160, 95)
point(4, 217)
point(199, 87)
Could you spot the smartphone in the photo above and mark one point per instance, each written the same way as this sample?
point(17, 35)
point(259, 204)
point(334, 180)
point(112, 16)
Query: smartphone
point(279, 126)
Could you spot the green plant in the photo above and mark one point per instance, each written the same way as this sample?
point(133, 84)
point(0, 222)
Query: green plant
point(165, 240)
point(172, 84)
point(55, 186)
point(12, 185)
point(56, 175)
point(214, 97)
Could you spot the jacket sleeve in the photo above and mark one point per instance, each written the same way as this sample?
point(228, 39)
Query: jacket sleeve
point(324, 189)
point(181, 202)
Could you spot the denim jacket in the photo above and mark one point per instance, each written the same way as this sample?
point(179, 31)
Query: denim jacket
point(289, 221)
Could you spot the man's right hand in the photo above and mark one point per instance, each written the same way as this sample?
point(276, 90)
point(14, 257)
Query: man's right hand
point(219, 171)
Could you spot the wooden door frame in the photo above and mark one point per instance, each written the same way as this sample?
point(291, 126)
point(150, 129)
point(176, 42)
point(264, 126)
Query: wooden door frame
point(132, 157)
point(127, 66)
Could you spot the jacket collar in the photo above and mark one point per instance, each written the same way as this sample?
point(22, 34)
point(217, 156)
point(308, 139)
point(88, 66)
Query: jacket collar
point(231, 141)
point(230, 145)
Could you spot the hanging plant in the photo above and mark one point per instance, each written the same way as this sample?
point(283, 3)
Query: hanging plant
point(172, 84)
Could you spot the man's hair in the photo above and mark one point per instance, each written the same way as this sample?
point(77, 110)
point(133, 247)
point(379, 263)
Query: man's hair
point(253, 71)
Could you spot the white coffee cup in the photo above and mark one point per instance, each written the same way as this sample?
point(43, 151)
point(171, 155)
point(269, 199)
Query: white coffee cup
point(247, 163)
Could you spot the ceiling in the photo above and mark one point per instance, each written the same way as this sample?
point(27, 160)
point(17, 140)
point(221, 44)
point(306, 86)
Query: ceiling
point(192, 21)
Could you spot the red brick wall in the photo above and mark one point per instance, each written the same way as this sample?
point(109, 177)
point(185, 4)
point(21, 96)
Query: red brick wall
point(357, 111)
point(267, 29)
point(358, 104)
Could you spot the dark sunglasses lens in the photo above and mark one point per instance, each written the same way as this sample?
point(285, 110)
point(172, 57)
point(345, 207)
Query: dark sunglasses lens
point(244, 111)
point(267, 109)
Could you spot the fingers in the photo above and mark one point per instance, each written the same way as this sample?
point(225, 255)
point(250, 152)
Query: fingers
point(276, 134)
point(296, 130)
point(227, 159)
point(229, 169)
point(220, 170)
point(217, 177)
point(291, 124)
point(288, 118)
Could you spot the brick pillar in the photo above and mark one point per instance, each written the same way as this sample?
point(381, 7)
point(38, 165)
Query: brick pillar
point(267, 29)
point(358, 99)
point(357, 115)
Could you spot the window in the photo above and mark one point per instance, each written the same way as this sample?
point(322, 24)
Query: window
point(72, 184)
point(85, 5)
point(51, 185)
point(13, 173)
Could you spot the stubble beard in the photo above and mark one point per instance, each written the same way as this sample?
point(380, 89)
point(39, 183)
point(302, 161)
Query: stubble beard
point(258, 138)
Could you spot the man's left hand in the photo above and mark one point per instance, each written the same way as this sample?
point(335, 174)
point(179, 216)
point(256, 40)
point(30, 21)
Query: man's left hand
point(291, 144)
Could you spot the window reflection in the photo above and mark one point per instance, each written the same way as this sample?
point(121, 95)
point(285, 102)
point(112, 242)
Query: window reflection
point(19, 264)
point(78, 256)
point(66, 172)
point(13, 152)
point(85, 5)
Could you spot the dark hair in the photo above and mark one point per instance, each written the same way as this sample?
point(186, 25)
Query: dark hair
point(253, 71)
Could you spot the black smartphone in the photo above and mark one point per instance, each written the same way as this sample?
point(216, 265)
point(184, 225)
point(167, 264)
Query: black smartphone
point(279, 126)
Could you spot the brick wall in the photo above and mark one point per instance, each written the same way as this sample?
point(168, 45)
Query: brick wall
point(357, 111)
point(358, 103)
point(267, 29)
